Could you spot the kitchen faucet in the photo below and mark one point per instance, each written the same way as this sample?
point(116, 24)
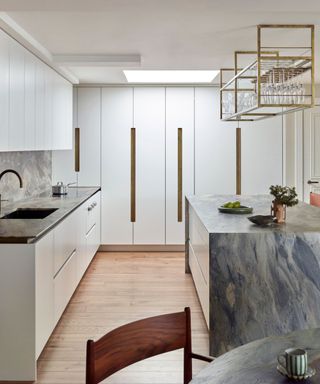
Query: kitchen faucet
point(14, 172)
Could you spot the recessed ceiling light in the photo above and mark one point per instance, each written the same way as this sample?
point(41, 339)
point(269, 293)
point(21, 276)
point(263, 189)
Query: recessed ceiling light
point(170, 76)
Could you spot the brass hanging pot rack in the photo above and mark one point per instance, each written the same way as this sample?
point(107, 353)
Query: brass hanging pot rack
point(272, 81)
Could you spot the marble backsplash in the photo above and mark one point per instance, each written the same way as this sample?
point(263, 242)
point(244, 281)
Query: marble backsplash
point(35, 169)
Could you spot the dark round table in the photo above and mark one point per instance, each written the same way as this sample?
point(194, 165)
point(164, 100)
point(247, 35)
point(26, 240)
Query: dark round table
point(256, 362)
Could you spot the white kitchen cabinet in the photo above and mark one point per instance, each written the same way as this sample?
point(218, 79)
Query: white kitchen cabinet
point(93, 228)
point(62, 113)
point(215, 146)
point(30, 101)
point(48, 108)
point(89, 123)
point(16, 97)
point(179, 114)
point(35, 102)
point(149, 122)
point(44, 251)
point(4, 91)
point(261, 150)
point(65, 239)
point(36, 283)
point(117, 121)
point(64, 283)
point(40, 106)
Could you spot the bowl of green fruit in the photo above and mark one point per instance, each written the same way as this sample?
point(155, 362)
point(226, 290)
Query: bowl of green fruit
point(235, 207)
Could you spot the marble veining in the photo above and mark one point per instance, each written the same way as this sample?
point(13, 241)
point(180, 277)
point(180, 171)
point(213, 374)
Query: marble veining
point(300, 218)
point(262, 281)
point(30, 230)
point(256, 362)
point(35, 169)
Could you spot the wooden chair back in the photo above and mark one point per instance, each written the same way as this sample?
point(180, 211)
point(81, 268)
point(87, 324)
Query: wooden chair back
point(315, 199)
point(139, 340)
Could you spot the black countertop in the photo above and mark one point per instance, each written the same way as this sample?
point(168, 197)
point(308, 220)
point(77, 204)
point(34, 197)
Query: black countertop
point(30, 230)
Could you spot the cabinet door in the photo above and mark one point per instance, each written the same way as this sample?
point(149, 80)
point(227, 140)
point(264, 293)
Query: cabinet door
point(215, 146)
point(16, 105)
point(62, 113)
point(30, 101)
point(44, 291)
point(40, 106)
point(48, 108)
point(117, 121)
point(65, 240)
point(4, 92)
point(179, 116)
point(89, 122)
point(149, 121)
point(261, 159)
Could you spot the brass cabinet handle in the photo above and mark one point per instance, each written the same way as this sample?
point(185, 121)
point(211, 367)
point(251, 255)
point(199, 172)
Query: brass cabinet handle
point(77, 149)
point(133, 175)
point(179, 174)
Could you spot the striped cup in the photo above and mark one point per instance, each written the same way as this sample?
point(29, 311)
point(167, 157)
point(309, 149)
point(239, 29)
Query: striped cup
point(295, 361)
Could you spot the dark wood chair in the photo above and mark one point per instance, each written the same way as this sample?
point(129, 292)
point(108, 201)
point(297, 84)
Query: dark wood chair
point(139, 340)
point(315, 199)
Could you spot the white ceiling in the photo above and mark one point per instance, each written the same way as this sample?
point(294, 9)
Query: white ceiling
point(168, 34)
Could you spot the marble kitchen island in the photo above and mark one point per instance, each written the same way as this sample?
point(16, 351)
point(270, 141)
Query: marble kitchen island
point(253, 281)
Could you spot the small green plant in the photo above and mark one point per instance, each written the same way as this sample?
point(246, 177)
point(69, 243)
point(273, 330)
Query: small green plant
point(284, 195)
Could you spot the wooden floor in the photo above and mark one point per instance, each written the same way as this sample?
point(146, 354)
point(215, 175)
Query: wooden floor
point(119, 288)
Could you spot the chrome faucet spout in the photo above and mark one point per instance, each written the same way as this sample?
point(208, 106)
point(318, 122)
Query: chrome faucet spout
point(15, 173)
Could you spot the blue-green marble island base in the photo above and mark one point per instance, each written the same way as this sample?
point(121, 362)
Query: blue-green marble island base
point(253, 281)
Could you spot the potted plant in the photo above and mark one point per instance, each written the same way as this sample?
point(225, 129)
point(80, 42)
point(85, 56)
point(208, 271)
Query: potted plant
point(283, 197)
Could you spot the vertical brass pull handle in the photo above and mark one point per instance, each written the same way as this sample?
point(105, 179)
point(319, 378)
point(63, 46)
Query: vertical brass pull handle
point(77, 149)
point(179, 174)
point(133, 175)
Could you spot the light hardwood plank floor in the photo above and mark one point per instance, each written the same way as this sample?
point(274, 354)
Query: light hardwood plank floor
point(119, 288)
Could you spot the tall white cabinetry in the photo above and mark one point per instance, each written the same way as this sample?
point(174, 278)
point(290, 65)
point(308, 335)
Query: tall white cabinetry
point(149, 122)
point(179, 116)
point(117, 121)
point(205, 152)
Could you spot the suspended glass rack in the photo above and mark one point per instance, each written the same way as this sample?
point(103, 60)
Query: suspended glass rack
point(273, 80)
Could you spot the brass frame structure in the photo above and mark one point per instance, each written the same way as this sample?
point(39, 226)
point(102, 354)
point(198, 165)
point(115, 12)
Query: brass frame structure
point(263, 54)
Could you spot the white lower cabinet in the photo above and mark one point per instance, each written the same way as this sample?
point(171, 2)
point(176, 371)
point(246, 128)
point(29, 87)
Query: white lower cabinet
point(36, 283)
point(65, 283)
point(44, 291)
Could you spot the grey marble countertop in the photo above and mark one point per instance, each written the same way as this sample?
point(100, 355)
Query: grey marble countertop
point(256, 362)
point(300, 218)
point(30, 230)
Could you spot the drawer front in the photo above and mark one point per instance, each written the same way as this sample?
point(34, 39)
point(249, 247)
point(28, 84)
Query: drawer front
point(64, 285)
point(93, 242)
point(65, 240)
point(201, 286)
point(93, 209)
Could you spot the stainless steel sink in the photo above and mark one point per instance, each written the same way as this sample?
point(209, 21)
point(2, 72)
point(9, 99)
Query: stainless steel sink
point(30, 213)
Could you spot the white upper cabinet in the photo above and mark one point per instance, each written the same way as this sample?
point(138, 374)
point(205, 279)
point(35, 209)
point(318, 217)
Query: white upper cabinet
point(179, 116)
point(30, 101)
point(16, 97)
point(149, 122)
point(4, 91)
point(40, 106)
point(62, 112)
point(35, 102)
point(117, 121)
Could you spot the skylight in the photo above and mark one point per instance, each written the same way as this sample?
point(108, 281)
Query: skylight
point(170, 76)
